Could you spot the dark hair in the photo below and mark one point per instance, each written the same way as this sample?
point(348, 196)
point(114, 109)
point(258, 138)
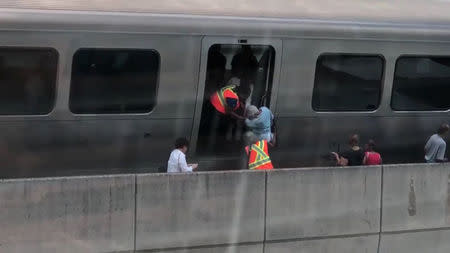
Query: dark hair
point(443, 129)
point(371, 145)
point(354, 140)
point(181, 142)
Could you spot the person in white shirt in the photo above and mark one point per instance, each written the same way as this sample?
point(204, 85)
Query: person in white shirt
point(177, 159)
point(435, 146)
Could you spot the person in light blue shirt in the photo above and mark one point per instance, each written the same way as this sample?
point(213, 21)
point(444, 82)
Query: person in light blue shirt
point(435, 146)
point(259, 121)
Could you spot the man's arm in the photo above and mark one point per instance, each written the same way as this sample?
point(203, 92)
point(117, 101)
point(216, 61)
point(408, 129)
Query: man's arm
point(364, 162)
point(183, 165)
point(230, 103)
point(250, 123)
point(440, 157)
point(234, 114)
point(427, 145)
point(340, 160)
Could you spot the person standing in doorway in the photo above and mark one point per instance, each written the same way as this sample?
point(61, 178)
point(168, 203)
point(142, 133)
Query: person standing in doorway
point(226, 101)
point(177, 159)
point(435, 146)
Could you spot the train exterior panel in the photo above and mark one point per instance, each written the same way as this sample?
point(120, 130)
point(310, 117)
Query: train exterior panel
point(64, 142)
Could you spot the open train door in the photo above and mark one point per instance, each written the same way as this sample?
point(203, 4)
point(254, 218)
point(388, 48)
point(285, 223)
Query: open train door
point(252, 64)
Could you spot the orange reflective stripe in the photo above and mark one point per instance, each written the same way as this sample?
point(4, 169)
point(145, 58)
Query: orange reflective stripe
point(261, 155)
point(221, 98)
point(222, 91)
point(259, 148)
point(258, 164)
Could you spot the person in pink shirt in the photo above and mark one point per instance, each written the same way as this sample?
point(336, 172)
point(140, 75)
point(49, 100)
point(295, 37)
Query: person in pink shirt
point(371, 157)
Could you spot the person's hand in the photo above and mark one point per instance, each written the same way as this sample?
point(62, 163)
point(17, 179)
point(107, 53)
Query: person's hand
point(273, 141)
point(194, 166)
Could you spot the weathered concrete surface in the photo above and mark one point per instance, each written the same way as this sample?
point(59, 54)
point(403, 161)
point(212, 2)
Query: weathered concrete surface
point(366, 244)
point(416, 196)
point(78, 214)
point(417, 242)
point(323, 202)
point(256, 248)
point(179, 210)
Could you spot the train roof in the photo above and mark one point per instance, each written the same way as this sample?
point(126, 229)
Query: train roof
point(400, 19)
point(404, 11)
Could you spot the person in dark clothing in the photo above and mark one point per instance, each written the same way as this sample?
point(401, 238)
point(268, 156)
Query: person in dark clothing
point(355, 155)
point(244, 64)
point(215, 71)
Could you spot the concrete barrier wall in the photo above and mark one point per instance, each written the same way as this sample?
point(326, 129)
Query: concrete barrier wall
point(255, 248)
point(363, 244)
point(294, 210)
point(416, 208)
point(76, 214)
point(416, 196)
point(416, 242)
point(315, 202)
point(179, 210)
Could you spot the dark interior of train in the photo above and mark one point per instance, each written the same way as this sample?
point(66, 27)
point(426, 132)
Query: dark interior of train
point(28, 78)
point(251, 69)
point(347, 83)
point(410, 93)
point(114, 81)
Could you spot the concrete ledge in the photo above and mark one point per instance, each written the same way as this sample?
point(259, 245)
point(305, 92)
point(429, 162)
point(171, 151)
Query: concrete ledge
point(416, 196)
point(416, 242)
point(186, 210)
point(301, 210)
point(315, 202)
point(255, 248)
point(366, 244)
point(75, 214)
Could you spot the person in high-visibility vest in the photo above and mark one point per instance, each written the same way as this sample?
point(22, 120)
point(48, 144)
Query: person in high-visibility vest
point(257, 153)
point(226, 101)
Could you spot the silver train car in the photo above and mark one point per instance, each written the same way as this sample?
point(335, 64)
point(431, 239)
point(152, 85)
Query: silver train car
point(85, 92)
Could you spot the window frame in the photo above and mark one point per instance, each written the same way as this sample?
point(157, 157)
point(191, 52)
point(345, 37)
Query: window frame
point(55, 85)
point(158, 75)
point(382, 81)
point(393, 82)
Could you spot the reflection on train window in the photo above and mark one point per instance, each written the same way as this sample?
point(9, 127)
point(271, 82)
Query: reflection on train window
point(250, 69)
point(421, 84)
point(114, 81)
point(27, 80)
point(348, 82)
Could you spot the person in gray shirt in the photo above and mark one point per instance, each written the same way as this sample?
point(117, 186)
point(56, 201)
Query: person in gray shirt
point(435, 147)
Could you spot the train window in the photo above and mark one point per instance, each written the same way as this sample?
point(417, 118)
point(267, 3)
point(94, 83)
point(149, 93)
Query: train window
point(421, 84)
point(114, 81)
point(27, 80)
point(346, 82)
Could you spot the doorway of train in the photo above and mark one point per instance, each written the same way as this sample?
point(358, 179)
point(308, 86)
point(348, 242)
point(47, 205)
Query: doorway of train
point(252, 67)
